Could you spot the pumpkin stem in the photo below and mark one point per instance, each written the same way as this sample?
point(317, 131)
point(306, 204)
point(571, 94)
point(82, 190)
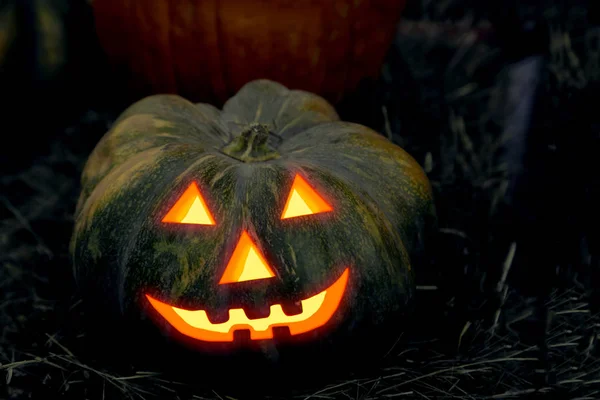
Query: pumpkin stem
point(251, 145)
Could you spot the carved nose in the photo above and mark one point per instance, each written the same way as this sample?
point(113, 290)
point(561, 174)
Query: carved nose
point(246, 263)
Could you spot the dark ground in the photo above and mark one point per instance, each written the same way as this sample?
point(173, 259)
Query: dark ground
point(507, 307)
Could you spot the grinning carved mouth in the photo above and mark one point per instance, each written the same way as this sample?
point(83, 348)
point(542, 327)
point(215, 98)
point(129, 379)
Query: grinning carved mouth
point(316, 311)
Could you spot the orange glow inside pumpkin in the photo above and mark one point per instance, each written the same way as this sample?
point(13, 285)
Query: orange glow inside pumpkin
point(303, 200)
point(316, 311)
point(190, 208)
point(246, 263)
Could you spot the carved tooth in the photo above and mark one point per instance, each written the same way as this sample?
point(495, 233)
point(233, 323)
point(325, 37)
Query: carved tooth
point(218, 316)
point(257, 312)
point(292, 308)
point(281, 332)
point(241, 336)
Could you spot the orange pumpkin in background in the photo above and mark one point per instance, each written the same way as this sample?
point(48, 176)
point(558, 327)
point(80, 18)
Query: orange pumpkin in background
point(206, 50)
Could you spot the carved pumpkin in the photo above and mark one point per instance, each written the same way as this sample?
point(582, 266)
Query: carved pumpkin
point(270, 220)
point(207, 50)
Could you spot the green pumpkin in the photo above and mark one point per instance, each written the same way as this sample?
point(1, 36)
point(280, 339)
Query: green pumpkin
point(362, 208)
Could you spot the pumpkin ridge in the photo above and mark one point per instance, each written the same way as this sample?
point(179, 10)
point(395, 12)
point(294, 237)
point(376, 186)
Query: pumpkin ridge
point(192, 270)
point(412, 184)
point(107, 185)
point(281, 108)
point(280, 131)
point(372, 209)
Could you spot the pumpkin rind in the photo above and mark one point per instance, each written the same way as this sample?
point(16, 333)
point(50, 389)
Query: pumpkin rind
point(207, 50)
point(381, 201)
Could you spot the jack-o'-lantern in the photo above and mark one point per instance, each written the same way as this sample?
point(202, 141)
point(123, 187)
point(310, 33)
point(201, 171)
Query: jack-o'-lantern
point(207, 50)
point(270, 220)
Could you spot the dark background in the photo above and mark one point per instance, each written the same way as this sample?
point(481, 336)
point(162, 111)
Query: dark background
point(497, 100)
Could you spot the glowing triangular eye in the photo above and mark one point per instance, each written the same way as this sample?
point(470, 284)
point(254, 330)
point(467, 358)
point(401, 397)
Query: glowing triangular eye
point(246, 263)
point(190, 209)
point(303, 200)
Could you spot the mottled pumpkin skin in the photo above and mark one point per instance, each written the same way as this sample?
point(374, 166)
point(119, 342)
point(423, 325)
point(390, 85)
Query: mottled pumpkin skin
point(207, 50)
point(381, 199)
